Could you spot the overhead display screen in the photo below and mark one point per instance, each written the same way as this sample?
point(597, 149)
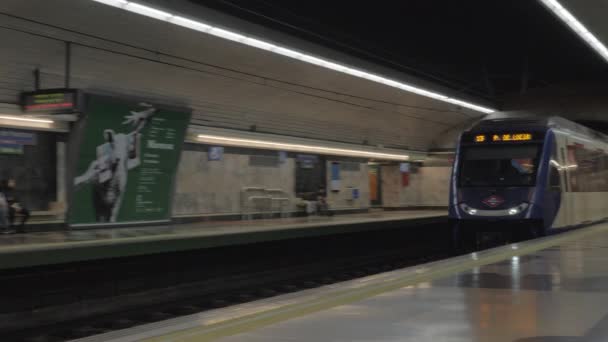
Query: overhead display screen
point(503, 137)
point(49, 101)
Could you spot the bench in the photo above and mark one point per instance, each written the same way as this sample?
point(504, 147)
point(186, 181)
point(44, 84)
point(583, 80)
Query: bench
point(263, 200)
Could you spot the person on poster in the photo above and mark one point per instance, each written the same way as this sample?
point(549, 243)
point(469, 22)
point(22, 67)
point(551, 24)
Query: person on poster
point(109, 172)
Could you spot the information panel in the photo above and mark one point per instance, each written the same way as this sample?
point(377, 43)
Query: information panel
point(127, 162)
point(503, 137)
point(50, 101)
point(12, 142)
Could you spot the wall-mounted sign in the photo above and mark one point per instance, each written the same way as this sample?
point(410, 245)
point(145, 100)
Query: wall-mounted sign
point(215, 153)
point(17, 137)
point(12, 142)
point(307, 161)
point(50, 101)
point(335, 176)
point(282, 157)
point(405, 179)
point(404, 167)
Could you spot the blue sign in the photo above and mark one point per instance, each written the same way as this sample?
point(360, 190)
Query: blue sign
point(17, 138)
point(355, 193)
point(307, 161)
point(12, 142)
point(335, 176)
point(215, 153)
point(335, 171)
point(282, 157)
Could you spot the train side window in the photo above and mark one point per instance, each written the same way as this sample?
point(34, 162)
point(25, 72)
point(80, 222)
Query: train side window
point(554, 179)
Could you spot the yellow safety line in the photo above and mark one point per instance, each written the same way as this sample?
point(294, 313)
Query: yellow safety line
point(253, 321)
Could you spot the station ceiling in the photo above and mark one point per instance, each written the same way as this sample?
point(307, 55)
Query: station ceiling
point(476, 51)
point(486, 49)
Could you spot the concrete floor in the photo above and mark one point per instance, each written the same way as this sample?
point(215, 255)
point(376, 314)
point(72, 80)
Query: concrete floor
point(557, 294)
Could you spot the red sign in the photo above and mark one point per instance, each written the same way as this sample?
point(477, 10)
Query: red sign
point(405, 179)
point(493, 201)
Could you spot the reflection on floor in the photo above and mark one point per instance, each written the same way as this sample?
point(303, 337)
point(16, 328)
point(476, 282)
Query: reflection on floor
point(10, 241)
point(559, 294)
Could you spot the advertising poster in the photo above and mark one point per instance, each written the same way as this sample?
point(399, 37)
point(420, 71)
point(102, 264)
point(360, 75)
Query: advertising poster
point(127, 162)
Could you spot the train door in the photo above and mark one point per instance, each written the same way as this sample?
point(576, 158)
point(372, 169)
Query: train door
point(375, 184)
point(554, 189)
point(568, 198)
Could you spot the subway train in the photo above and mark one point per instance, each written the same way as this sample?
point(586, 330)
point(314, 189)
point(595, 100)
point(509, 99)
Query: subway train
point(526, 177)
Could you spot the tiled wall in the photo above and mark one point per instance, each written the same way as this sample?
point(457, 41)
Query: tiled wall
point(214, 187)
point(349, 180)
point(428, 186)
point(206, 187)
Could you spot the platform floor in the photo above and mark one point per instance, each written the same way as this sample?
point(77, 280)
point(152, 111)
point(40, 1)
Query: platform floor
point(37, 248)
point(553, 289)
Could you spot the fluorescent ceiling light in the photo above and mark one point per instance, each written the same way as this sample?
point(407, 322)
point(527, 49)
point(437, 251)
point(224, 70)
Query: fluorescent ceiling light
point(147, 11)
point(263, 144)
point(115, 3)
point(576, 26)
point(17, 118)
point(243, 39)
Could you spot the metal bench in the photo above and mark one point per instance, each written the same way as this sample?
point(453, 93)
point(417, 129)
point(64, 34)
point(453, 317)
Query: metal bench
point(254, 199)
point(279, 201)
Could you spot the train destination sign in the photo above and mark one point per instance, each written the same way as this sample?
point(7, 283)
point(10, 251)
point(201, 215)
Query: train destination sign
point(482, 138)
point(49, 101)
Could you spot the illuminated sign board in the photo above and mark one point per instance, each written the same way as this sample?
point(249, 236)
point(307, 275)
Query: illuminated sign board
point(482, 138)
point(50, 101)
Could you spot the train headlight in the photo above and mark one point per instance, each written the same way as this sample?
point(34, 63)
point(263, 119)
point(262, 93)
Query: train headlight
point(468, 210)
point(518, 209)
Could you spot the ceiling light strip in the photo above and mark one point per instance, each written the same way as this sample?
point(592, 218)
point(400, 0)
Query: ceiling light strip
point(263, 144)
point(576, 26)
point(16, 118)
point(237, 37)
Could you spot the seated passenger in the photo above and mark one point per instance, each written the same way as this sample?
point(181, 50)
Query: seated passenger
point(15, 207)
point(322, 205)
point(4, 225)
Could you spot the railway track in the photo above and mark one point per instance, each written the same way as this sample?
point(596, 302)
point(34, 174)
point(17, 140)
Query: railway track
point(328, 262)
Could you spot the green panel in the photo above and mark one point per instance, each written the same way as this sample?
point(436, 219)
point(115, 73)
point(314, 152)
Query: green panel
point(127, 162)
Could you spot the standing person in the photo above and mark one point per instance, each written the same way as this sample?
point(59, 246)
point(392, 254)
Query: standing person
point(15, 207)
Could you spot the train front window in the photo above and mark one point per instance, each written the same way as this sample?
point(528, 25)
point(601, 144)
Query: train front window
point(499, 166)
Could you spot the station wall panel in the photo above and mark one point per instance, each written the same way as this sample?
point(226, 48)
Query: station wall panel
point(429, 186)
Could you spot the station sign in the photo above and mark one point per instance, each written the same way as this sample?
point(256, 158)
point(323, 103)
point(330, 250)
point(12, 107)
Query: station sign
point(50, 101)
point(12, 142)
